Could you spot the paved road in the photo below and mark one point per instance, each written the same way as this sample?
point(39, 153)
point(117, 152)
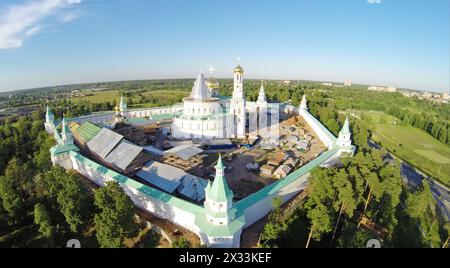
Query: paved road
point(414, 177)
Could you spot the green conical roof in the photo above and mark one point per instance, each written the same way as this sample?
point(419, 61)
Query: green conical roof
point(346, 128)
point(219, 191)
point(49, 112)
point(65, 130)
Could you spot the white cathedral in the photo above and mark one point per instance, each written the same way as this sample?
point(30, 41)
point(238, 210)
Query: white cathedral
point(206, 115)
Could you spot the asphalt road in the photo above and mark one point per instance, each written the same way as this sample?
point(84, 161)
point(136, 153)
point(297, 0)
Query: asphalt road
point(414, 178)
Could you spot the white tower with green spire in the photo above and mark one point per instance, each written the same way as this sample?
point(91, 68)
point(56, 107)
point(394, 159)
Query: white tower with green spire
point(60, 153)
point(237, 103)
point(219, 198)
point(123, 107)
point(49, 121)
point(66, 135)
point(303, 103)
point(344, 138)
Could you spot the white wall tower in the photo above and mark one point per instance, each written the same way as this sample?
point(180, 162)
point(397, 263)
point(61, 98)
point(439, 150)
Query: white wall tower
point(123, 107)
point(303, 103)
point(344, 138)
point(219, 198)
point(49, 121)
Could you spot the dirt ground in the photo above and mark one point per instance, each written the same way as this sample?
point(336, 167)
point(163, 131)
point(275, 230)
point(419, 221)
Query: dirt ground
point(244, 182)
point(316, 144)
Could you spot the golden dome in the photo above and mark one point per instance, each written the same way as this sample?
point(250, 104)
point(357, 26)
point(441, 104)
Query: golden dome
point(212, 83)
point(239, 69)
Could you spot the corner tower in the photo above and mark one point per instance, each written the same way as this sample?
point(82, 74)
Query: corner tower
point(219, 198)
point(344, 138)
point(49, 121)
point(60, 153)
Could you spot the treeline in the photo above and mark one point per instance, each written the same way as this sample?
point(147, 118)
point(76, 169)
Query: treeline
point(349, 205)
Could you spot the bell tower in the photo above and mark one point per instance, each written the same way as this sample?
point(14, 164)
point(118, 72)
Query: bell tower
point(237, 104)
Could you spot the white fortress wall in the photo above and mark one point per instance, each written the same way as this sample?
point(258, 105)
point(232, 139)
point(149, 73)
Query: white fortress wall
point(146, 112)
point(99, 118)
point(264, 206)
point(156, 207)
point(318, 128)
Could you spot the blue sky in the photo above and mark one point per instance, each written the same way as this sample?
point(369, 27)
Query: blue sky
point(404, 43)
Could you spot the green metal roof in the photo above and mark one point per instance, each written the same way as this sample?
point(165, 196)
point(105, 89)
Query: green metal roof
point(87, 131)
point(231, 213)
point(138, 120)
point(345, 128)
point(213, 230)
point(147, 190)
point(162, 117)
point(63, 149)
point(219, 190)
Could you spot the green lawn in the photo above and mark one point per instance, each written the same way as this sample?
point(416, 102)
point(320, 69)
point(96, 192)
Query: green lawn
point(411, 144)
point(153, 98)
point(98, 96)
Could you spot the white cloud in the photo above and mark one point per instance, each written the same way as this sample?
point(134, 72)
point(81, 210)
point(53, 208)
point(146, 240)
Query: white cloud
point(68, 17)
point(374, 1)
point(23, 20)
point(33, 30)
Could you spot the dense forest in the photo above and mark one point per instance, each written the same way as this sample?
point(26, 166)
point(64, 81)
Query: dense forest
point(349, 205)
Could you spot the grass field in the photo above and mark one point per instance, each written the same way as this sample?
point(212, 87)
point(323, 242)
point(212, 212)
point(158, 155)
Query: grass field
point(98, 96)
point(411, 144)
point(152, 98)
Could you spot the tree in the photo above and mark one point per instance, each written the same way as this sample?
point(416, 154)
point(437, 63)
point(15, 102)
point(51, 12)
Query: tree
point(320, 223)
point(276, 226)
point(181, 243)
point(447, 229)
point(421, 206)
point(42, 218)
point(116, 218)
point(345, 202)
point(22, 176)
point(369, 164)
point(50, 183)
point(74, 203)
point(420, 202)
point(320, 198)
point(12, 202)
point(392, 189)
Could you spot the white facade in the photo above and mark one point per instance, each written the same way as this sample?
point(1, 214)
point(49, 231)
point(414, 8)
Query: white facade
point(206, 117)
point(202, 116)
point(237, 104)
